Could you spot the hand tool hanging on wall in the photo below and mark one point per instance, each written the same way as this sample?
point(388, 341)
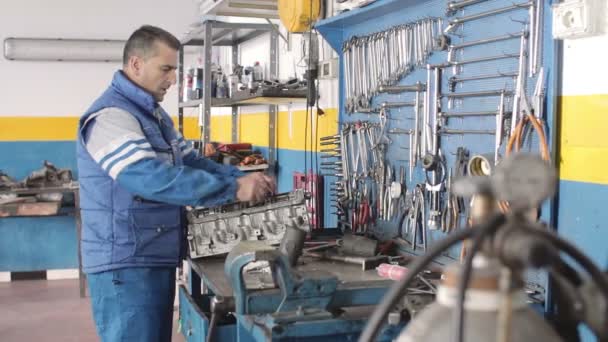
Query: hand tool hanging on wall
point(499, 127)
point(480, 93)
point(519, 99)
point(416, 219)
point(450, 131)
point(460, 170)
point(538, 100)
point(450, 214)
point(398, 89)
point(454, 23)
point(453, 48)
point(536, 35)
point(453, 81)
point(435, 183)
point(455, 6)
point(412, 148)
point(446, 115)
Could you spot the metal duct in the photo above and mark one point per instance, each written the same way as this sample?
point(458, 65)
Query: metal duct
point(83, 50)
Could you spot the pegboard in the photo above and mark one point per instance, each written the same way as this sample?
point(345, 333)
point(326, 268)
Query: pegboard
point(385, 14)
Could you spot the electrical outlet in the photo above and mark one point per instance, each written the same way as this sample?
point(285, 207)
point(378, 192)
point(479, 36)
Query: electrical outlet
point(576, 18)
point(328, 69)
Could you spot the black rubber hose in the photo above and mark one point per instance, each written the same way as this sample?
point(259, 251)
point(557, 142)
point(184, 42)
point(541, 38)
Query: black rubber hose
point(212, 326)
point(564, 320)
point(568, 272)
point(418, 265)
point(465, 277)
point(596, 274)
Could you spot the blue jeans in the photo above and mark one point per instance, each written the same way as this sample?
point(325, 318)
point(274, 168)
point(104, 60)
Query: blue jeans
point(133, 304)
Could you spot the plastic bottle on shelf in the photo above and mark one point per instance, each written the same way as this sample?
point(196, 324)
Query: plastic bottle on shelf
point(187, 84)
point(197, 81)
point(221, 91)
point(247, 77)
point(258, 72)
point(214, 72)
point(235, 79)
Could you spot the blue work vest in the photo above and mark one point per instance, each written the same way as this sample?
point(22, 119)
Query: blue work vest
point(119, 228)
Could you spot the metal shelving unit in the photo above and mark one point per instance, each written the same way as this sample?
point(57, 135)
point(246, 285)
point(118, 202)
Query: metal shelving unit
point(233, 34)
point(240, 8)
point(261, 97)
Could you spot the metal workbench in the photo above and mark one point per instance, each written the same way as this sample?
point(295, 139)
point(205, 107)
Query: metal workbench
point(355, 297)
point(211, 271)
point(73, 188)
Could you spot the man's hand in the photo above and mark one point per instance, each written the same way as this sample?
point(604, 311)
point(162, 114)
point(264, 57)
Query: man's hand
point(255, 187)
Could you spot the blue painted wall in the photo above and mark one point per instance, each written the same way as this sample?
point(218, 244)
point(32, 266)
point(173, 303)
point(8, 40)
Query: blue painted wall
point(20, 158)
point(37, 243)
point(582, 218)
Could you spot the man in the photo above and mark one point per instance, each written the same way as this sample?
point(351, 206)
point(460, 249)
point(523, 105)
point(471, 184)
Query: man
point(136, 172)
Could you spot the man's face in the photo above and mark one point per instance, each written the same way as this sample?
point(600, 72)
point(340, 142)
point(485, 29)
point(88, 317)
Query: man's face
point(156, 74)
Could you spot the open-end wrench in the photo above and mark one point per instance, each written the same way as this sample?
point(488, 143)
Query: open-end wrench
point(436, 109)
point(387, 105)
point(415, 146)
point(499, 129)
point(418, 87)
point(426, 113)
point(539, 95)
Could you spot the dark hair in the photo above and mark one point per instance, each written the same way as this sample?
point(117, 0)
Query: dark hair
point(142, 41)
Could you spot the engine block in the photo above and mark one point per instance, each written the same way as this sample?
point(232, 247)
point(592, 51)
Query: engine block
point(215, 231)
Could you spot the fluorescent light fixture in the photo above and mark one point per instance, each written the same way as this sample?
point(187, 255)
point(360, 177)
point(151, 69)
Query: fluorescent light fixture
point(81, 50)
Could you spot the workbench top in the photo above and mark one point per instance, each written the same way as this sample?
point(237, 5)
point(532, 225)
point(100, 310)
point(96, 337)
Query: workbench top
point(350, 276)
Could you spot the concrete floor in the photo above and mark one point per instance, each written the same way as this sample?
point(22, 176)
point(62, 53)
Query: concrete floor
point(48, 310)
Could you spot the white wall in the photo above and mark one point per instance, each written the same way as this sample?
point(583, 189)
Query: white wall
point(68, 88)
point(584, 60)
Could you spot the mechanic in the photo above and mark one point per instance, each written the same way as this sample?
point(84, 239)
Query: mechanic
point(136, 174)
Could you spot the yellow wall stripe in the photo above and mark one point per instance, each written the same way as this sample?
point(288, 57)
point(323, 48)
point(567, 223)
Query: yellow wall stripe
point(584, 138)
point(253, 128)
point(28, 128)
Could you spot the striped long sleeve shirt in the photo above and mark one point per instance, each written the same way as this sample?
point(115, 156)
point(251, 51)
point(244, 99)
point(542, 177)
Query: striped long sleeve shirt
point(117, 143)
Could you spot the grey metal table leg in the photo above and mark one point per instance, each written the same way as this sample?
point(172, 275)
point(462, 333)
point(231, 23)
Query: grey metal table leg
point(81, 275)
